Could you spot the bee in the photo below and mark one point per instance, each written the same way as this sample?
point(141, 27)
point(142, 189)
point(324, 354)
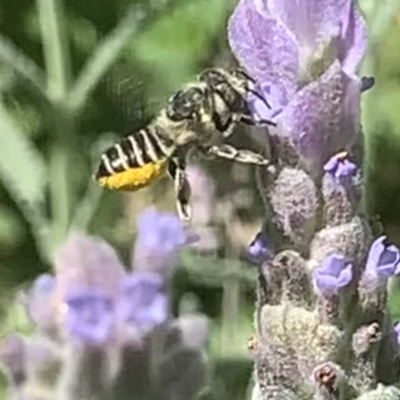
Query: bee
point(199, 117)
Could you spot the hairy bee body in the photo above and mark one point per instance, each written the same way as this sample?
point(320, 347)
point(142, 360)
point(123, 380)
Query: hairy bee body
point(196, 118)
point(133, 162)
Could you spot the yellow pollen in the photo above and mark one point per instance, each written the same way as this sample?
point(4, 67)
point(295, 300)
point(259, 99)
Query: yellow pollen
point(134, 178)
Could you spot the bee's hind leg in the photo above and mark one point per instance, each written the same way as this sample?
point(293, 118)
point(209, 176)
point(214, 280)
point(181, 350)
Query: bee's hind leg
point(243, 156)
point(176, 170)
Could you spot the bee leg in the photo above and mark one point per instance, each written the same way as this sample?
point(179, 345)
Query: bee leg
point(182, 189)
point(243, 156)
point(247, 120)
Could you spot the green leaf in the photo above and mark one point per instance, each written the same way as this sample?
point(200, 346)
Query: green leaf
point(24, 66)
point(23, 173)
point(11, 229)
point(103, 57)
point(21, 166)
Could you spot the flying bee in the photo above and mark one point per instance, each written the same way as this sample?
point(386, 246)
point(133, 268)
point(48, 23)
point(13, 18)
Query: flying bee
point(196, 118)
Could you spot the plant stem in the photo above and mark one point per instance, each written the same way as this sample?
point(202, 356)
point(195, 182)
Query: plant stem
point(57, 62)
point(55, 48)
point(60, 183)
point(230, 314)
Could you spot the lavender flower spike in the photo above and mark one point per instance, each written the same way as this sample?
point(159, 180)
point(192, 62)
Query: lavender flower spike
point(304, 54)
point(89, 276)
point(333, 274)
point(383, 259)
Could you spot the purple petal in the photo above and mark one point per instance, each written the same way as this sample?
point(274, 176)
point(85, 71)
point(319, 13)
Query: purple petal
point(146, 219)
point(325, 282)
point(383, 259)
point(353, 39)
point(44, 284)
point(147, 318)
point(40, 303)
point(333, 265)
point(143, 302)
point(259, 250)
point(397, 331)
point(160, 231)
point(345, 276)
point(90, 315)
point(374, 253)
point(275, 99)
point(323, 117)
point(334, 273)
point(264, 47)
point(340, 167)
point(345, 169)
point(160, 236)
point(311, 22)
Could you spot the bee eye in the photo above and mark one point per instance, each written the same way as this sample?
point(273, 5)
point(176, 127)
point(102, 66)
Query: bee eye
point(183, 105)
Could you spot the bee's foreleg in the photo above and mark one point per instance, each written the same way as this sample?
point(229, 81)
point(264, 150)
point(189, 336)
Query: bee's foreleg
point(182, 189)
point(247, 120)
point(243, 156)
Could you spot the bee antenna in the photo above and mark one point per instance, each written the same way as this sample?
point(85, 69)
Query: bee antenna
point(261, 97)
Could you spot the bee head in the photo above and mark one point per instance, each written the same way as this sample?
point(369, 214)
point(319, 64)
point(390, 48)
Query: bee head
point(185, 104)
point(232, 85)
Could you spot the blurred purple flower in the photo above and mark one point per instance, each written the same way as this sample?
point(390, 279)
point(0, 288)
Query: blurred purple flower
point(160, 236)
point(143, 301)
point(13, 357)
point(340, 167)
point(383, 259)
point(44, 284)
point(333, 274)
point(90, 315)
point(87, 261)
point(304, 54)
point(397, 331)
point(259, 249)
point(40, 304)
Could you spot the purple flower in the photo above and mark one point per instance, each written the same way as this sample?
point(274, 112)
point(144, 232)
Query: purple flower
point(40, 303)
point(304, 54)
point(13, 357)
point(90, 315)
point(340, 167)
point(383, 259)
point(160, 236)
point(397, 331)
point(143, 301)
point(87, 261)
point(259, 250)
point(333, 274)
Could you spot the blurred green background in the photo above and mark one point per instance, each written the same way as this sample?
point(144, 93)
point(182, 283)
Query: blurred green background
point(75, 76)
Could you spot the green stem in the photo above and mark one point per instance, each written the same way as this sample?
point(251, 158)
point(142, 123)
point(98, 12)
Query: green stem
point(57, 62)
point(55, 48)
point(60, 187)
point(230, 314)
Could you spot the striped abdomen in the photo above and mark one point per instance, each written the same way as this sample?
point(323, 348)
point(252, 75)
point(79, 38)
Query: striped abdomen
point(135, 161)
